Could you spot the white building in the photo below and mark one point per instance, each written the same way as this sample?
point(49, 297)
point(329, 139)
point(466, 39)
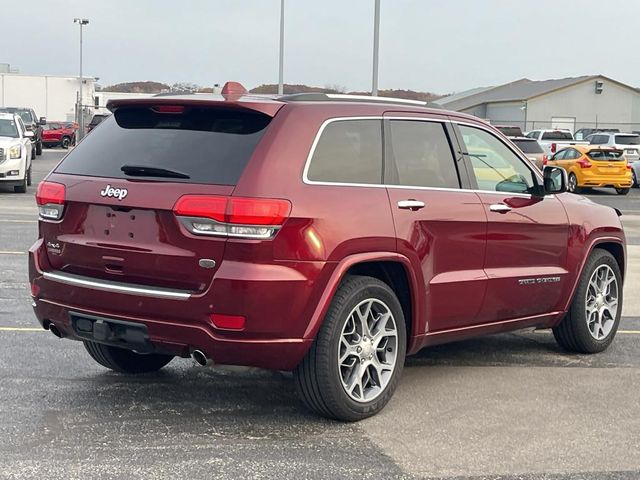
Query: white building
point(592, 101)
point(51, 96)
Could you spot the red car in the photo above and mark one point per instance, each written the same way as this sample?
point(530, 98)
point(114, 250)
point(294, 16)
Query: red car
point(58, 134)
point(328, 236)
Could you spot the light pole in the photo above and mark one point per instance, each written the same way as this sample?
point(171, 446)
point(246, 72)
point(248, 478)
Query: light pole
point(81, 22)
point(281, 65)
point(376, 44)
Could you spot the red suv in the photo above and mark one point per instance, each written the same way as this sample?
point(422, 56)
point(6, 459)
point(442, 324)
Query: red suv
point(58, 133)
point(326, 235)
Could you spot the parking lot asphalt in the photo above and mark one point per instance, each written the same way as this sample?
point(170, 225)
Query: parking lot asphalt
point(507, 407)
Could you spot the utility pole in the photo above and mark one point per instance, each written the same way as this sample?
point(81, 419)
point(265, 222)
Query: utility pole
point(281, 65)
point(376, 46)
point(81, 22)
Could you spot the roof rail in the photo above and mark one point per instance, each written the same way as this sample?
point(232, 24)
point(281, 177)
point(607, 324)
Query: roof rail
point(328, 97)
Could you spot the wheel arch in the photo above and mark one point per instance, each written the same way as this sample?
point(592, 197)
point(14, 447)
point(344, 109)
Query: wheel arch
point(613, 245)
point(393, 269)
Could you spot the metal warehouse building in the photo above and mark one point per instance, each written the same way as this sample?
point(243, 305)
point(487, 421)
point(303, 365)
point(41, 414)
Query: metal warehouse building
point(50, 96)
point(592, 101)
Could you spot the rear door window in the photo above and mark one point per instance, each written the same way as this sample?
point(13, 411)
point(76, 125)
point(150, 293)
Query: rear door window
point(557, 135)
point(204, 145)
point(348, 151)
point(421, 155)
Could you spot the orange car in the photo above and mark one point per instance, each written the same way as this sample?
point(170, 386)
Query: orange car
point(591, 166)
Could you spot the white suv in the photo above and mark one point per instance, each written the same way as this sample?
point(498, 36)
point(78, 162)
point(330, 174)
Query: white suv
point(629, 143)
point(16, 152)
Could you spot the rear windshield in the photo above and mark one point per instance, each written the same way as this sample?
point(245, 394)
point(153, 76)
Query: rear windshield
point(510, 131)
point(607, 155)
point(557, 135)
point(97, 119)
point(528, 146)
point(627, 140)
point(210, 146)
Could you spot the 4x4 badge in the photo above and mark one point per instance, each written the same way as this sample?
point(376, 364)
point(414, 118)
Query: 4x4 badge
point(118, 193)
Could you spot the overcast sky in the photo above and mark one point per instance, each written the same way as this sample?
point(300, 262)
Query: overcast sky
point(431, 45)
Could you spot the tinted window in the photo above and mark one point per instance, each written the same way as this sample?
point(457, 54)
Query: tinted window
point(349, 151)
point(528, 146)
point(561, 155)
point(599, 139)
point(510, 131)
point(627, 140)
point(608, 155)
point(557, 135)
point(422, 155)
point(495, 166)
point(209, 145)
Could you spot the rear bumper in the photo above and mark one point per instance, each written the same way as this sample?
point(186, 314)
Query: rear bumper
point(277, 311)
point(604, 181)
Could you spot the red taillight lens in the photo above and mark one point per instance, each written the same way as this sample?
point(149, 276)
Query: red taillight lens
point(545, 159)
point(584, 163)
point(203, 206)
point(257, 211)
point(228, 322)
point(628, 166)
point(553, 148)
point(50, 192)
point(257, 218)
point(35, 290)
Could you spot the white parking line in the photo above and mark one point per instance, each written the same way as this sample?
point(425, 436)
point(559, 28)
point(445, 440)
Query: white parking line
point(12, 253)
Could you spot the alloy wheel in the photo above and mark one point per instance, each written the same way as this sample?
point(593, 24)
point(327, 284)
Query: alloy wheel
point(602, 302)
point(573, 183)
point(368, 350)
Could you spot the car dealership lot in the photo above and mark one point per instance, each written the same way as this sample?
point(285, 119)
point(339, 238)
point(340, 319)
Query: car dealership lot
point(511, 405)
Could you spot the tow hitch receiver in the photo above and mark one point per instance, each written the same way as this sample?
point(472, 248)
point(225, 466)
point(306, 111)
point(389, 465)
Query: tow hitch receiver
point(130, 335)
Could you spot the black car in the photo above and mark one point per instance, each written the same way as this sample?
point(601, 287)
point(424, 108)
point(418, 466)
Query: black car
point(31, 122)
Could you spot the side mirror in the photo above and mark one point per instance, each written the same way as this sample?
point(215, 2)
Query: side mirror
point(555, 180)
point(28, 134)
point(43, 120)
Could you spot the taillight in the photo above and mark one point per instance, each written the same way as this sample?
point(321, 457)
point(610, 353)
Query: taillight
point(553, 148)
point(257, 218)
point(584, 163)
point(545, 159)
point(50, 197)
point(628, 166)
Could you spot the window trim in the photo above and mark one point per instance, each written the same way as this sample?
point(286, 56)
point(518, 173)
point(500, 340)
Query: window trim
point(453, 122)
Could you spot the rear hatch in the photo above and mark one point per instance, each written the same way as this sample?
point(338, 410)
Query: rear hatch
point(608, 162)
point(123, 181)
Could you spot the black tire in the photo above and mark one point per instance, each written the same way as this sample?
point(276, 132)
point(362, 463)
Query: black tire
point(573, 184)
point(622, 191)
point(635, 179)
point(22, 188)
point(318, 377)
point(125, 361)
point(33, 153)
point(573, 333)
point(65, 142)
point(39, 147)
point(29, 176)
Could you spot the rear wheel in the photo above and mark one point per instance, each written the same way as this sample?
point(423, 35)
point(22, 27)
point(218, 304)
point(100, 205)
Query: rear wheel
point(125, 361)
point(593, 318)
point(65, 142)
point(622, 191)
point(39, 147)
point(355, 362)
point(573, 184)
point(635, 178)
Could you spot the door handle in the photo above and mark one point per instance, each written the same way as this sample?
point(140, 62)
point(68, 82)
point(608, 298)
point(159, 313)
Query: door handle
point(410, 204)
point(500, 208)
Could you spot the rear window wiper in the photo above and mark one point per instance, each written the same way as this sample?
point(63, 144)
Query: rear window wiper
point(146, 171)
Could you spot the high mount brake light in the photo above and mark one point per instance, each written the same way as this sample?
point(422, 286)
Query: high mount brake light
point(50, 197)
point(168, 108)
point(257, 218)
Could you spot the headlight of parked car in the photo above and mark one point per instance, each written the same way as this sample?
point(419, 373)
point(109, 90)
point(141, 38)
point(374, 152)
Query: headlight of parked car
point(15, 151)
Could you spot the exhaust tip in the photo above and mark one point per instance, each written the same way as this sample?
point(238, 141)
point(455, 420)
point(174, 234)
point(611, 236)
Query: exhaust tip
point(55, 330)
point(200, 358)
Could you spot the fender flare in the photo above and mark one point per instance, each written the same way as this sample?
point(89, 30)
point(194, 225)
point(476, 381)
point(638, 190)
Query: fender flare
point(339, 273)
point(592, 245)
